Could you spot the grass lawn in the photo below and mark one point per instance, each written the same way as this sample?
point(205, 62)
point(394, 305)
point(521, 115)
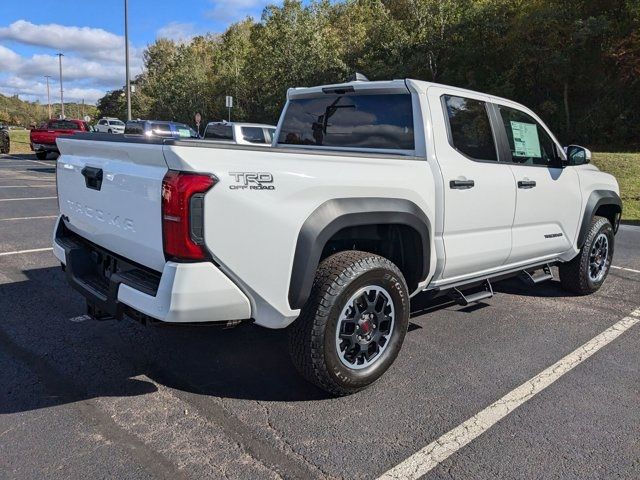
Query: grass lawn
point(626, 168)
point(19, 141)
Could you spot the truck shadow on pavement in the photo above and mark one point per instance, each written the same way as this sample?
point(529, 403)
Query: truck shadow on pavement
point(49, 358)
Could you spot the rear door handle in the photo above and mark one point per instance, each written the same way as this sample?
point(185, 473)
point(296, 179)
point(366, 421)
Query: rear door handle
point(461, 184)
point(526, 183)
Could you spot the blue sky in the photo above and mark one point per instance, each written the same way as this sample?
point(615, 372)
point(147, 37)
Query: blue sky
point(90, 34)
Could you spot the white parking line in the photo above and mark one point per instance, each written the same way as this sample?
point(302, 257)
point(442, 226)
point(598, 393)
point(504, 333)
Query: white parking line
point(18, 252)
point(26, 218)
point(26, 198)
point(28, 186)
point(438, 451)
point(625, 269)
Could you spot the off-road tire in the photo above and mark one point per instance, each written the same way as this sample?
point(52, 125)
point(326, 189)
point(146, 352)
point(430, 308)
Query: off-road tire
point(574, 275)
point(41, 155)
point(312, 342)
point(5, 142)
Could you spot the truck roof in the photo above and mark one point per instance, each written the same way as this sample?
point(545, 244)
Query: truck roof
point(384, 86)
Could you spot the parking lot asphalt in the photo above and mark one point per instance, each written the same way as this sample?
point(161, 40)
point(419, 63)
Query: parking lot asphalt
point(81, 398)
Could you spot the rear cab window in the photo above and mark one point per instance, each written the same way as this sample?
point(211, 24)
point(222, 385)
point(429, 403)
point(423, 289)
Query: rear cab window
point(63, 125)
point(352, 120)
point(218, 132)
point(253, 134)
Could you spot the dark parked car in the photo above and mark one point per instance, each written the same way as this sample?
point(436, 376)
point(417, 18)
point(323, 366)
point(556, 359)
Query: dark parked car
point(159, 128)
point(5, 142)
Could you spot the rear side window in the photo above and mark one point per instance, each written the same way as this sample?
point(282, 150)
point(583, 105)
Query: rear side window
point(218, 132)
point(529, 143)
point(354, 121)
point(134, 128)
point(253, 134)
point(470, 128)
point(161, 129)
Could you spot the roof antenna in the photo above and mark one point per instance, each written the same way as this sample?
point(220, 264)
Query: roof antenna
point(357, 77)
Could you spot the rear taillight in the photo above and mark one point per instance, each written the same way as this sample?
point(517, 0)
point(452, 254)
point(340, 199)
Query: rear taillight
point(183, 214)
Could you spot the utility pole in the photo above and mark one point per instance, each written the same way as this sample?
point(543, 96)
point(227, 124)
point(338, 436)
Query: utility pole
point(60, 55)
point(126, 57)
point(48, 97)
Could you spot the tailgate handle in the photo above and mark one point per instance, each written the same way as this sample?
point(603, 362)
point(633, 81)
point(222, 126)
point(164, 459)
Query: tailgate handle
point(92, 177)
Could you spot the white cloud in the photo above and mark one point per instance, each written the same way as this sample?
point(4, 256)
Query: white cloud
point(231, 10)
point(74, 68)
point(94, 43)
point(93, 60)
point(177, 31)
point(37, 90)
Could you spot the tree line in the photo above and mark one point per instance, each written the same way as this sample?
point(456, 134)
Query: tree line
point(575, 62)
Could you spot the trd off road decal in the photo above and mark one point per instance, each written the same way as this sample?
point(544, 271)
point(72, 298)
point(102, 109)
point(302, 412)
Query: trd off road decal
point(252, 181)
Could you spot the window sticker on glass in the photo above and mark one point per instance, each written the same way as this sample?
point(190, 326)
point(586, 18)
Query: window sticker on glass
point(183, 132)
point(525, 140)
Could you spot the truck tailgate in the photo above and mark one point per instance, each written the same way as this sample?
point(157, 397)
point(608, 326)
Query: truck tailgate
point(110, 194)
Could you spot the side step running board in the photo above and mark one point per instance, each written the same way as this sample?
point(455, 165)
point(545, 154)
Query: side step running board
point(464, 300)
point(538, 276)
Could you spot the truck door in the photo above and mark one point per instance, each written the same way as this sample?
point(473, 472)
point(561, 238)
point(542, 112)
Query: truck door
point(479, 191)
point(548, 199)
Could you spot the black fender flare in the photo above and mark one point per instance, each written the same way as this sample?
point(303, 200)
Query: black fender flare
point(337, 214)
point(597, 198)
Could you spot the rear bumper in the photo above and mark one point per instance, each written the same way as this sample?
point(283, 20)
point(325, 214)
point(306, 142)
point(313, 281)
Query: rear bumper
point(44, 147)
point(181, 293)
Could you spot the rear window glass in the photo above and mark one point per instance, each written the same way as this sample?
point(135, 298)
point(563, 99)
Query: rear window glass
point(357, 121)
point(116, 122)
point(218, 132)
point(253, 134)
point(64, 125)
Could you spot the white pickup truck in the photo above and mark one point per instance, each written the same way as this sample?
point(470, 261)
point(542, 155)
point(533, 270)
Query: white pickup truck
point(372, 193)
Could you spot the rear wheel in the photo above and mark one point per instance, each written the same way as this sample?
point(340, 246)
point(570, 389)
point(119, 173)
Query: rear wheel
point(586, 273)
point(5, 143)
point(41, 155)
point(353, 325)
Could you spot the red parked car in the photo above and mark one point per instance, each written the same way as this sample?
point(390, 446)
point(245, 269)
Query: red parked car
point(43, 138)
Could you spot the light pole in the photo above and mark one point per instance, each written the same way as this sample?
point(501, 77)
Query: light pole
point(126, 57)
point(60, 55)
point(48, 96)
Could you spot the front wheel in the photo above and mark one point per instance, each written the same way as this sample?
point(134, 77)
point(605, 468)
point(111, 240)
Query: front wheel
point(41, 155)
point(586, 273)
point(352, 327)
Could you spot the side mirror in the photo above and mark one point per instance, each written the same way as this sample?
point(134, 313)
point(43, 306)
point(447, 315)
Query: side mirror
point(577, 155)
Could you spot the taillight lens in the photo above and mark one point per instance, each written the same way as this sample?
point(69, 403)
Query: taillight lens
point(182, 214)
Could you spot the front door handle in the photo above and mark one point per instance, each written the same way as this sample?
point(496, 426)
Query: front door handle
point(526, 183)
point(461, 184)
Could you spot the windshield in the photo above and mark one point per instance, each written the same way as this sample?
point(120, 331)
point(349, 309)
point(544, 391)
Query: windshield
point(354, 121)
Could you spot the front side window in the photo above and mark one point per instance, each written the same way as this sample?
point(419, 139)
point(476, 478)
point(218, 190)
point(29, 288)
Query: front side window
point(529, 143)
point(353, 121)
point(218, 132)
point(470, 128)
point(253, 134)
